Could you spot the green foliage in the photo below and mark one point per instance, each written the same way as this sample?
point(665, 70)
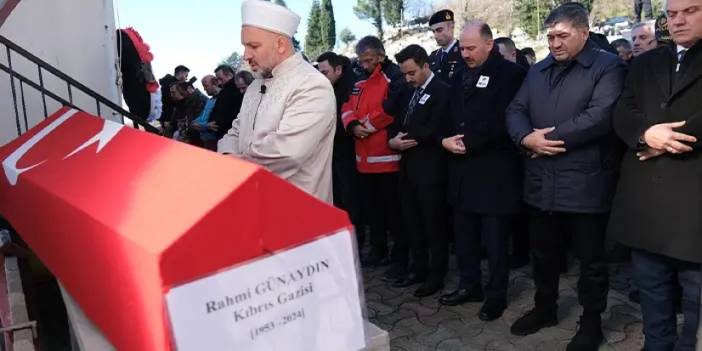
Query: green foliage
point(327, 25)
point(346, 36)
point(234, 60)
point(371, 10)
point(393, 11)
point(530, 14)
point(313, 40)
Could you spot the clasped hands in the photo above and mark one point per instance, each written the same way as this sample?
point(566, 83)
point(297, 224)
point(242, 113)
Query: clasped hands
point(537, 143)
point(662, 138)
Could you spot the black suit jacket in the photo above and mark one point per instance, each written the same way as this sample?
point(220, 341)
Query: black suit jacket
point(657, 205)
point(344, 147)
point(227, 107)
point(424, 164)
point(488, 178)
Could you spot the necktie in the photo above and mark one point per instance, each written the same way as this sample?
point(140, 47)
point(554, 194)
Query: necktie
point(681, 57)
point(413, 102)
point(441, 56)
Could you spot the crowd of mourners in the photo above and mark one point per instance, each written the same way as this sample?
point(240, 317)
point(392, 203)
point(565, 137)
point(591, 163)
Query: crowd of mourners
point(190, 116)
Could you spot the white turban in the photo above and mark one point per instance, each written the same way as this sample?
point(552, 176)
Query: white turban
point(269, 16)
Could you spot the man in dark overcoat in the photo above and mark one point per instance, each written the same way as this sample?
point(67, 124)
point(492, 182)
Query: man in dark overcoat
point(657, 209)
point(485, 169)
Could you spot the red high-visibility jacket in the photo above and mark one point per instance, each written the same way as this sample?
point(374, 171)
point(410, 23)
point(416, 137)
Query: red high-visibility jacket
point(365, 107)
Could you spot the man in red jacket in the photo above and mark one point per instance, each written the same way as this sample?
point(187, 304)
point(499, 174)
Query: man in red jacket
point(364, 117)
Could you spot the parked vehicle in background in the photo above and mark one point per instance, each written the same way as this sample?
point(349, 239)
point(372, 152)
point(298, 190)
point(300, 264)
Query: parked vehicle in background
point(614, 25)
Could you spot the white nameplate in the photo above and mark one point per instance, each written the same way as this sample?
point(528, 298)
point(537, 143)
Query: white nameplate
point(305, 299)
point(424, 99)
point(483, 82)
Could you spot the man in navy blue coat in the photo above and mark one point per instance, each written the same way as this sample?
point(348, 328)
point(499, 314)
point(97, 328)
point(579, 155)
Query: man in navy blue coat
point(562, 119)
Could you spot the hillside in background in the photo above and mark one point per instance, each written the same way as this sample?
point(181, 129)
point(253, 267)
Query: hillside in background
point(422, 36)
point(501, 15)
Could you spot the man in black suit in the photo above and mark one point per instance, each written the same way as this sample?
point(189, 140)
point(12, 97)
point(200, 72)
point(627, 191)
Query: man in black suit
point(656, 210)
point(484, 181)
point(445, 61)
point(422, 180)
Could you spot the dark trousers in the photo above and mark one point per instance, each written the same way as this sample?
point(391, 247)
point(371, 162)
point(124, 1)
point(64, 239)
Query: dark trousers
point(642, 6)
point(549, 231)
point(656, 277)
point(382, 212)
point(424, 211)
point(346, 192)
point(520, 237)
point(472, 229)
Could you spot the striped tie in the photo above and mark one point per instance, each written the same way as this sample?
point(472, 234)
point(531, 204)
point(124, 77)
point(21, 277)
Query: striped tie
point(413, 102)
point(681, 57)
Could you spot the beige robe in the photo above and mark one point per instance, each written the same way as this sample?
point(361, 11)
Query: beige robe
point(289, 130)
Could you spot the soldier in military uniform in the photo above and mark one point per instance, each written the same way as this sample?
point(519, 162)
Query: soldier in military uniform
point(446, 61)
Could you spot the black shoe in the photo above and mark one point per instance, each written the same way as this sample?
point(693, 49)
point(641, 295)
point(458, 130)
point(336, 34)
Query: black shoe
point(533, 321)
point(491, 311)
point(409, 280)
point(589, 335)
point(375, 260)
point(461, 296)
point(428, 289)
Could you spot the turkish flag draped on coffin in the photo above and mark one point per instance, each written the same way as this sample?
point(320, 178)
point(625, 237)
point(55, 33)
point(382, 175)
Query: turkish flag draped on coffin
point(120, 216)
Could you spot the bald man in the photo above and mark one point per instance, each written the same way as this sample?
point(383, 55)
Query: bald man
point(200, 124)
point(484, 180)
point(286, 123)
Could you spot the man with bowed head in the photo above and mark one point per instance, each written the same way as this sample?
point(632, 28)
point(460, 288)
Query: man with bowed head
point(286, 124)
point(562, 119)
point(657, 207)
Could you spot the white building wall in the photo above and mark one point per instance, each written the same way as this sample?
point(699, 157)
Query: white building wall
point(75, 36)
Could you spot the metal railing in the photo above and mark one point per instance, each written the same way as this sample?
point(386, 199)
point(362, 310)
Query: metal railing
point(71, 84)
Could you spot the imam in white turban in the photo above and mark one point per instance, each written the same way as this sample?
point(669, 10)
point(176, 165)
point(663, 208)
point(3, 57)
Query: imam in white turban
point(269, 16)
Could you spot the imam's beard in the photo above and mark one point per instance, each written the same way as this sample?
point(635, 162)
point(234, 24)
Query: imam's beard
point(265, 69)
point(263, 73)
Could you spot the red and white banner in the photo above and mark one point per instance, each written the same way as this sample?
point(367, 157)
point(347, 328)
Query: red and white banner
point(121, 217)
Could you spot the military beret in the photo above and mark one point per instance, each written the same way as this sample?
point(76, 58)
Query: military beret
point(441, 16)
